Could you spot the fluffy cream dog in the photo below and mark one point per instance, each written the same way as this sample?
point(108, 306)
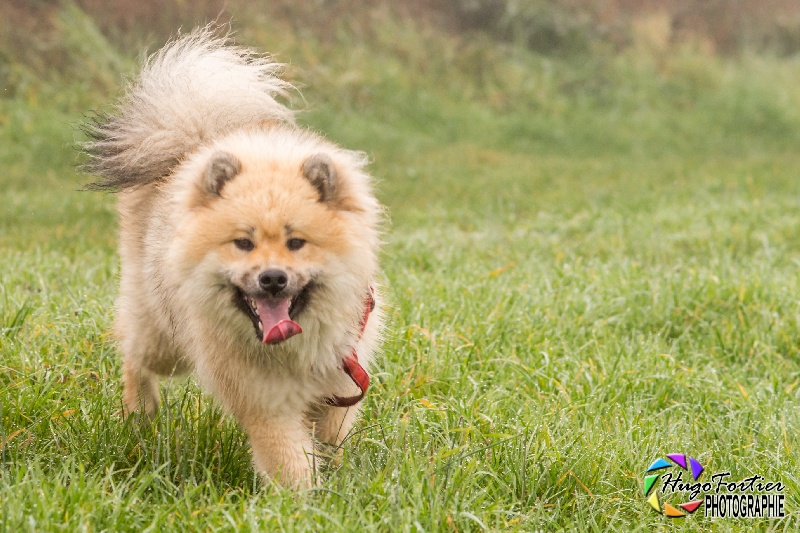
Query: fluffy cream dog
point(248, 250)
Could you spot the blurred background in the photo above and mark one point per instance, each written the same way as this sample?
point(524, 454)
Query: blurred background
point(440, 89)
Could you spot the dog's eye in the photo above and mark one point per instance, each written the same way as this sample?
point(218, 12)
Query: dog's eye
point(245, 245)
point(295, 244)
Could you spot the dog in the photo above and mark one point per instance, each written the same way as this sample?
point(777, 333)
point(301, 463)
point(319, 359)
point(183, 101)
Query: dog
point(248, 250)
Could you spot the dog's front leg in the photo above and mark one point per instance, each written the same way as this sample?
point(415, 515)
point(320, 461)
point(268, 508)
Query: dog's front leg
point(281, 442)
point(282, 447)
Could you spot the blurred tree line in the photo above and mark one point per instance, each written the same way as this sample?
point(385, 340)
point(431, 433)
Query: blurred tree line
point(577, 26)
point(652, 49)
point(552, 27)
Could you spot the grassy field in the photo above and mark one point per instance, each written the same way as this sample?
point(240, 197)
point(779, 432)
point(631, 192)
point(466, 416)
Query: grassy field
point(591, 262)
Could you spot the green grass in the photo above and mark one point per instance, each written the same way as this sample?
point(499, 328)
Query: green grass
point(584, 275)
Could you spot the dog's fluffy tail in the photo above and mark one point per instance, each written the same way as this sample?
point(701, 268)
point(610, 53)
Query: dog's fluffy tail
point(195, 88)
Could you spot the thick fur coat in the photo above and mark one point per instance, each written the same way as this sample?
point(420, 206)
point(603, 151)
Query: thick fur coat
point(248, 246)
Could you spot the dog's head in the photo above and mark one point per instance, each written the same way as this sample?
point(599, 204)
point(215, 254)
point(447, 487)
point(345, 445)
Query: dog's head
point(282, 223)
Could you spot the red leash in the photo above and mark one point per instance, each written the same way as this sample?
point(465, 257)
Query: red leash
point(352, 367)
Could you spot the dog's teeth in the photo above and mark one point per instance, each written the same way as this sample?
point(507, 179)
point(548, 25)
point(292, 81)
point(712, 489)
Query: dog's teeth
point(260, 327)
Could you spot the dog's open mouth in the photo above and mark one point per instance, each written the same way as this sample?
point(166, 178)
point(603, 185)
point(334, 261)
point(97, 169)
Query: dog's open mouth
point(272, 317)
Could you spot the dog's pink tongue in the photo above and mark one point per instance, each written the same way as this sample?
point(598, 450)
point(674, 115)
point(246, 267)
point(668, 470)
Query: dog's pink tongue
point(276, 322)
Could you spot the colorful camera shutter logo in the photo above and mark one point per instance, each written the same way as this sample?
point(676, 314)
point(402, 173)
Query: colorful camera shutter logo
point(685, 462)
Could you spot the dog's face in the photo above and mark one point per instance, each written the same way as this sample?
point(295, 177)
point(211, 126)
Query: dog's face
point(271, 233)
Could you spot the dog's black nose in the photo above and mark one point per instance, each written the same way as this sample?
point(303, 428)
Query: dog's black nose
point(273, 280)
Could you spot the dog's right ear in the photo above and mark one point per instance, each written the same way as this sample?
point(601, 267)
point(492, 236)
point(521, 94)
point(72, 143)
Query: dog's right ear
point(222, 168)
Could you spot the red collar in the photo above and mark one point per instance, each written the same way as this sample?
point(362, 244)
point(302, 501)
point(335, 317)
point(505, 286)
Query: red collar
point(350, 364)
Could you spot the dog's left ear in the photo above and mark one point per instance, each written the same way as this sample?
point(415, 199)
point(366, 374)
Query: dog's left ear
point(222, 168)
point(319, 170)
